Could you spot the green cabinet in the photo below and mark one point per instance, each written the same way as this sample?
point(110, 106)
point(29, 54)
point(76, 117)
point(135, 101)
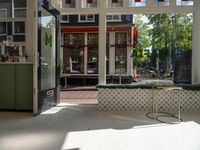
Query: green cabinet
point(16, 90)
point(7, 86)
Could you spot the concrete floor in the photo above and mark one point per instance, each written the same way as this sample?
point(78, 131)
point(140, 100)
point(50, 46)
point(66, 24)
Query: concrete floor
point(83, 127)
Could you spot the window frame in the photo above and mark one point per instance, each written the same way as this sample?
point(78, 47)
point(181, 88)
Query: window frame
point(114, 20)
point(63, 21)
point(86, 18)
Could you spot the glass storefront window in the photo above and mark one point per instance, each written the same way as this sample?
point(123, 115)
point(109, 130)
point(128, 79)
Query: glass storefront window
point(120, 53)
point(74, 39)
point(74, 53)
point(92, 53)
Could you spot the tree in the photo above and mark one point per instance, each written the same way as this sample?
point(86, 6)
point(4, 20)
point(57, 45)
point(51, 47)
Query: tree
point(144, 41)
point(170, 33)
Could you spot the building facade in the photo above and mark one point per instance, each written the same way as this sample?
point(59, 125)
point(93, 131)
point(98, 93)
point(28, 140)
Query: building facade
point(80, 49)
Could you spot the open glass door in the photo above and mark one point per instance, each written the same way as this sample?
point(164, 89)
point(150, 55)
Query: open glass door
point(48, 51)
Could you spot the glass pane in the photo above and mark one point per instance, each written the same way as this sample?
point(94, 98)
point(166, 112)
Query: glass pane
point(114, 4)
point(121, 38)
point(134, 3)
point(65, 18)
point(2, 27)
point(92, 60)
point(20, 13)
point(19, 3)
point(68, 3)
point(93, 39)
point(92, 53)
point(83, 17)
point(48, 70)
point(184, 2)
point(120, 52)
point(74, 39)
point(6, 5)
point(19, 27)
point(90, 17)
point(161, 2)
point(73, 60)
point(107, 53)
point(3, 13)
point(73, 54)
point(120, 60)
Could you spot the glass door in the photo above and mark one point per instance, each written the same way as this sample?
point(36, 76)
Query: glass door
point(48, 54)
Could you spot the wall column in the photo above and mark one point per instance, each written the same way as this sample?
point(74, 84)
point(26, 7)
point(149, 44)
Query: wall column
point(85, 53)
point(102, 43)
point(112, 53)
point(196, 44)
point(31, 45)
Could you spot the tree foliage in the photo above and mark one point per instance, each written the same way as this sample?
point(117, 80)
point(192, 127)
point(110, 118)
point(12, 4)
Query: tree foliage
point(171, 35)
point(144, 41)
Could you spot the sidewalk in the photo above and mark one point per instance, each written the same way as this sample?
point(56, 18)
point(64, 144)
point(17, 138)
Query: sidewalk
point(78, 97)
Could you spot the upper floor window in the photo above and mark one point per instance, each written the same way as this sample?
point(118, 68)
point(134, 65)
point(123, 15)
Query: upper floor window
point(3, 28)
point(3, 13)
point(137, 3)
point(68, 3)
point(113, 18)
point(20, 8)
point(161, 2)
point(184, 2)
point(114, 3)
point(6, 7)
point(19, 27)
point(65, 18)
point(89, 3)
point(86, 18)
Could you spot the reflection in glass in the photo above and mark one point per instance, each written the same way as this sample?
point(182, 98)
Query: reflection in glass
point(19, 27)
point(161, 2)
point(6, 7)
point(48, 70)
point(184, 2)
point(2, 27)
point(137, 3)
point(120, 53)
point(74, 53)
point(92, 53)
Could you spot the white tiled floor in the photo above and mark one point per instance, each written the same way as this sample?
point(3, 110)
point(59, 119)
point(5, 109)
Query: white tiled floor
point(83, 127)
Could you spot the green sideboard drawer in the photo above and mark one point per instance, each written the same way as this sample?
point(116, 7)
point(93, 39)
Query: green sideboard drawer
point(16, 90)
point(7, 87)
point(24, 87)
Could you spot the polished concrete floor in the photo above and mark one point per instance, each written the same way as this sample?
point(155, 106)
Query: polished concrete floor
point(83, 127)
